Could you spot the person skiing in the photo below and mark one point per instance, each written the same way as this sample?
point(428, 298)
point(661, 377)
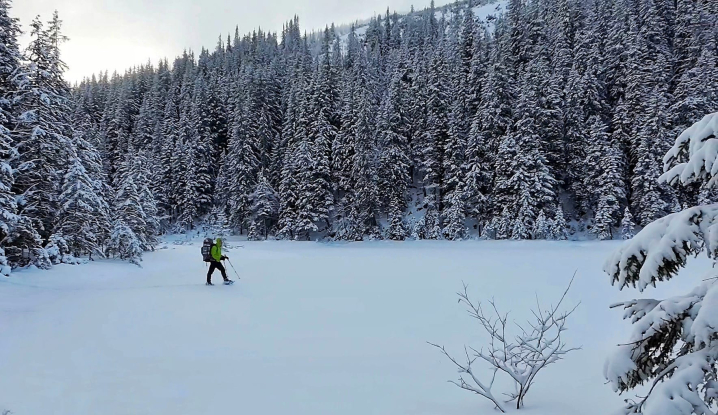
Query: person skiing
point(215, 262)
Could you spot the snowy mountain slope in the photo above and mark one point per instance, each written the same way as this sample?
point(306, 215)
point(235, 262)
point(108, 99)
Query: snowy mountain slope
point(309, 329)
point(484, 13)
point(494, 9)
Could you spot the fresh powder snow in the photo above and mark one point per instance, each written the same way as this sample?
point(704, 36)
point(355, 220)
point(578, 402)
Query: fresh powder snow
point(310, 328)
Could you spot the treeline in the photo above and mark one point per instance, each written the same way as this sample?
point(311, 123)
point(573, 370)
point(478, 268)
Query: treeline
point(547, 120)
point(55, 201)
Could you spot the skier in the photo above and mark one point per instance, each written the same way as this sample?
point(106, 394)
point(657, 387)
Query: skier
point(214, 262)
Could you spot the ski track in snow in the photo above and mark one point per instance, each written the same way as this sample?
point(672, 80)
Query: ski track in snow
point(309, 329)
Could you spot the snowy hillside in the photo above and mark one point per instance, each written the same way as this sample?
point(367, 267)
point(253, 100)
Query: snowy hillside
point(484, 13)
point(310, 329)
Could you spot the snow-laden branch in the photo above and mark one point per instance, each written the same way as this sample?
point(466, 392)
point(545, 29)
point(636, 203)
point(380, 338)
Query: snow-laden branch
point(694, 155)
point(521, 357)
point(674, 343)
point(662, 247)
point(478, 387)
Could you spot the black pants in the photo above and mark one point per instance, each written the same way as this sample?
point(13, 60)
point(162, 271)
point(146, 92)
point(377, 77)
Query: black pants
point(216, 265)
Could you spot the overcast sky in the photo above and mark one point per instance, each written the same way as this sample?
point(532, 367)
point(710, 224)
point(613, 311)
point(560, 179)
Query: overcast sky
point(116, 34)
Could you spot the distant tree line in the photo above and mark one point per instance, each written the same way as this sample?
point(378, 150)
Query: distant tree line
point(539, 122)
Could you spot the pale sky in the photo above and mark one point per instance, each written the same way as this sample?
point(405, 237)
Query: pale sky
point(117, 34)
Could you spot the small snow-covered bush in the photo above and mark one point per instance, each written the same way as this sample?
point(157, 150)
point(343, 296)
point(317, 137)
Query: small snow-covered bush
point(58, 250)
point(39, 258)
point(5, 268)
point(521, 357)
point(674, 342)
point(125, 244)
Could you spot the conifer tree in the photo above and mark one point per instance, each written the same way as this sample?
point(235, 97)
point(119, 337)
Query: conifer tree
point(265, 208)
point(43, 132)
point(524, 185)
point(322, 132)
point(244, 166)
point(627, 225)
point(436, 134)
point(395, 162)
point(11, 79)
point(78, 207)
point(365, 197)
point(609, 185)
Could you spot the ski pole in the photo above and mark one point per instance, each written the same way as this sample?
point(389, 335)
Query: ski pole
point(235, 271)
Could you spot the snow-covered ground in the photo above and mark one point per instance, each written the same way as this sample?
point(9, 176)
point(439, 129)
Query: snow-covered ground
point(310, 329)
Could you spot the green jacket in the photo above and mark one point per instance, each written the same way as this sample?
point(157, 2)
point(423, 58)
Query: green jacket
point(216, 251)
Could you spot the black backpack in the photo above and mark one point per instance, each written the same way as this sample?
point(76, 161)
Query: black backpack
point(207, 250)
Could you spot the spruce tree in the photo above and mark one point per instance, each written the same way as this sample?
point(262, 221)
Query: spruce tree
point(609, 185)
point(524, 185)
point(365, 195)
point(244, 166)
point(11, 78)
point(265, 208)
point(43, 133)
point(78, 207)
point(395, 163)
point(627, 225)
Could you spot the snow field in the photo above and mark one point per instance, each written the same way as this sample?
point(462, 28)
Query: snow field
point(309, 329)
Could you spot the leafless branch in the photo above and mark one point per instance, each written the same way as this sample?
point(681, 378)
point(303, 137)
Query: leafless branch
point(521, 358)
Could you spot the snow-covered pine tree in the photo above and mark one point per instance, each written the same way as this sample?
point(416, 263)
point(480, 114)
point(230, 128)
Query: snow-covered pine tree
point(322, 132)
point(673, 345)
point(165, 179)
point(651, 199)
point(307, 217)
point(243, 167)
point(8, 206)
point(148, 236)
point(627, 225)
point(91, 161)
point(265, 209)
point(609, 185)
point(117, 127)
point(559, 227)
point(10, 82)
point(43, 132)
point(454, 176)
point(462, 97)
point(542, 227)
point(365, 198)
point(394, 165)
point(454, 215)
point(144, 127)
point(343, 145)
point(79, 208)
point(524, 185)
point(436, 136)
point(217, 223)
point(199, 175)
point(586, 102)
point(124, 244)
point(135, 224)
point(296, 211)
point(647, 98)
